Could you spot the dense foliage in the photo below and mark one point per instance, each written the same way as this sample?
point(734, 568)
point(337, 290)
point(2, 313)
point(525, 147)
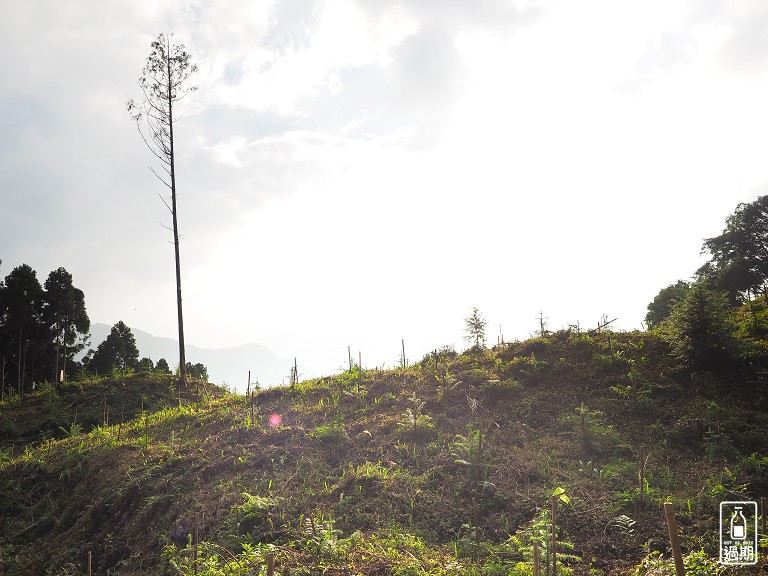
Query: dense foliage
point(713, 322)
point(118, 350)
point(661, 307)
point(41, 327)
point(739, 263)
point(700, 329)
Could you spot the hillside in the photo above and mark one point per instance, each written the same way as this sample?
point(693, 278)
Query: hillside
point(445, 466)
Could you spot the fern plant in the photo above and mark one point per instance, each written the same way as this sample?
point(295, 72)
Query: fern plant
point(539, 530)
point(321, 539)
point(413, 420)
point(469, 451)
point(73, 430)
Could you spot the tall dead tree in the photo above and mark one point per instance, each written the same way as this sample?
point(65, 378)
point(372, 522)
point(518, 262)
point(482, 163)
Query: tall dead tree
point(164, 81)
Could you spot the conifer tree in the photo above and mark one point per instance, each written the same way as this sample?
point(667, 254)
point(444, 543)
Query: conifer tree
point(475, 328)
point(66, 315)
point(699, 328)
point(118, 350)
point(24, 335)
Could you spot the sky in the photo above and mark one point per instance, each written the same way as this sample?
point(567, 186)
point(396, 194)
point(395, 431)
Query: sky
point(354, 173)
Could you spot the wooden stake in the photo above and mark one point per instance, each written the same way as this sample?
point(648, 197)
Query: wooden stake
point(674, 540)
point(642, 474)
point(196, 537)
point(475, 528)
point(536, 568)
point(554, 535)
point(403, 343)
point(248, 390)
point(90, 557)
point(349, 353)
point(120, 428)
point(270, 563)
point(360, 370)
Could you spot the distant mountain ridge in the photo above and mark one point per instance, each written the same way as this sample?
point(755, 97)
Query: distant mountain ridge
point(228, 366)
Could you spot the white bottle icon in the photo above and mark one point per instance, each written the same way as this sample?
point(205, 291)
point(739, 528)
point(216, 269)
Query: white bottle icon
point(738, 525)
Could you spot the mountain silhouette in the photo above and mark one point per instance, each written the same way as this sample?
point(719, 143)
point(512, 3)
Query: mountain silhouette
point(226, 366)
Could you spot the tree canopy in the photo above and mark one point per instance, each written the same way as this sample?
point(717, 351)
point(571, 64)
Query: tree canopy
point(162, 366)
point(661, 307)
point(41, 327)
point(24, 334)
point(66, 315)
point(739, 262)
point(198, 371)
point(708, 322)
point(44, 327)
point(118, 350)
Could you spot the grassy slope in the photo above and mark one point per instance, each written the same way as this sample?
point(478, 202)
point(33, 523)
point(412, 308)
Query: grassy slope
point(342, 485)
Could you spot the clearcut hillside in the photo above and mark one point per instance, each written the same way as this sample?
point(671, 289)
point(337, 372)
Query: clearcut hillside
point(446, 466)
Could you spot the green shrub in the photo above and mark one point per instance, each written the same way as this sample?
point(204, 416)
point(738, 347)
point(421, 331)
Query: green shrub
point(255, 514)
point(214, 560)
point(330, 433)
point(695, 564)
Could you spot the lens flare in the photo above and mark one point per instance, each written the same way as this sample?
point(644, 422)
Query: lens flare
point(275, 420)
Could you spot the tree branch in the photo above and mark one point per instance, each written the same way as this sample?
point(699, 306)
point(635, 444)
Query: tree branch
point(161, 180)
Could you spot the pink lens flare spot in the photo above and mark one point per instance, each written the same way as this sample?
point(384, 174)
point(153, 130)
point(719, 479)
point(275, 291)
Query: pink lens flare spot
point(275, 420)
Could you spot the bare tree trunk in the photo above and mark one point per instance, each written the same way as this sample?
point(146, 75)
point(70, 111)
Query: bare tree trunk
point(18, 364)
point(163, 81)
point(24, 365)
point(63, 364)
point(182, 356)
